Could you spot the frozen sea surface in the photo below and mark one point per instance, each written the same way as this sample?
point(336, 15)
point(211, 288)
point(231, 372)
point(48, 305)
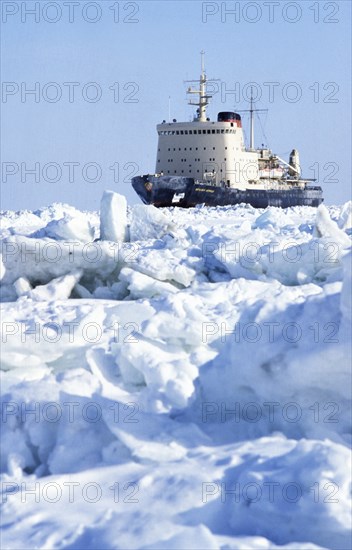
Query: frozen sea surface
point(183, 385)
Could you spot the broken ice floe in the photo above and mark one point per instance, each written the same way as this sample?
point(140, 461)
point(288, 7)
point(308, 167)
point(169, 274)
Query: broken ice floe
point(175, 247)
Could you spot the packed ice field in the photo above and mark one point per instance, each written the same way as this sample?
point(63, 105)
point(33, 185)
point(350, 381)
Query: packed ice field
point(176, 379)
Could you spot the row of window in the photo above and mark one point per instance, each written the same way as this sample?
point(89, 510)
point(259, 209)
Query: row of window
point(182, 171)
point(169, 149)
point(195, 160)
point(190, 149)
point(196, 149)
point(194, 132)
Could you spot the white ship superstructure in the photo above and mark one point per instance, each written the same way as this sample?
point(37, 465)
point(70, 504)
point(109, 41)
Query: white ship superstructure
point(206, 151)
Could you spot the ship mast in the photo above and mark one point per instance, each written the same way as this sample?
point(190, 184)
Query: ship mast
point(251, 111)
point(251, 140)
point(203, 97)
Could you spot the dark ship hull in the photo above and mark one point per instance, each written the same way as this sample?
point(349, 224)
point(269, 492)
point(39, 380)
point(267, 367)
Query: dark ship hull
point(184, 192)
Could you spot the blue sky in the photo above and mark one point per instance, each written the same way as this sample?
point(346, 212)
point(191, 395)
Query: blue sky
point(82, 138)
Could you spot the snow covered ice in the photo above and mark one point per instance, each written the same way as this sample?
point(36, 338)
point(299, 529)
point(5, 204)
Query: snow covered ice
point(176, 378)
